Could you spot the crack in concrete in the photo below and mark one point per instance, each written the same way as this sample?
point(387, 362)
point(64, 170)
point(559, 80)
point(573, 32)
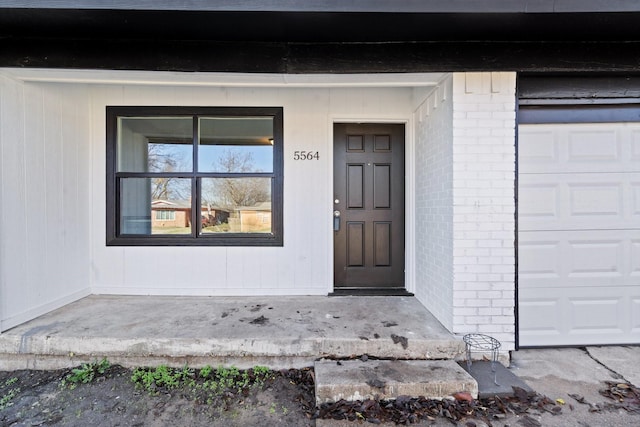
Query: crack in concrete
point(614, 374)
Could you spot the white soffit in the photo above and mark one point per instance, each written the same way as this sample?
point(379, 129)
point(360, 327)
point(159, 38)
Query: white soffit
point(171, 78)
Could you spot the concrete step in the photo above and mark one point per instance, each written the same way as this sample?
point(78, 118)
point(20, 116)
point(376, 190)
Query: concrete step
point(387, 379)
point(278, 332)
point(494, 379)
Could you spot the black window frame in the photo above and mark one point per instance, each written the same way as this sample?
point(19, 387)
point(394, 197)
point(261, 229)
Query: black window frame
point(195, 238)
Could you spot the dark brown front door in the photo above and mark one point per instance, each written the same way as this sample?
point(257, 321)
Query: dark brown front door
point(368, 205)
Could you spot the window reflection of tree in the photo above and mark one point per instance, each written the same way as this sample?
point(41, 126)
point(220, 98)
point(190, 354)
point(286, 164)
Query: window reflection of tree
point(164, 157)
point(230, 193)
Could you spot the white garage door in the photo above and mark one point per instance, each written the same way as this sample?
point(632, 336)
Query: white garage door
point(579, 234)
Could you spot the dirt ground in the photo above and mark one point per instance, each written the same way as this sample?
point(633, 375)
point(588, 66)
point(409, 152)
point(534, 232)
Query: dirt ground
point(110, 397)
point(113, 399)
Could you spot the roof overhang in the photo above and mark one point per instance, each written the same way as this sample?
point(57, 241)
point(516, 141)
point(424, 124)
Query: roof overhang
point(322, 36)
point(402, 6)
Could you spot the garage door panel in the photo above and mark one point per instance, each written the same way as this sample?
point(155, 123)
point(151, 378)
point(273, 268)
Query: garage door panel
point(574, 316)
point(635, 315)
point(635, 145)
point(539, 259)
point(575, 148)
point(634, 258)
point(548, 259)
point(596, 199)
point(596, 314)
point(579, 234)
point(593, 146)
point(538, 202)
point(579, 201)
point(593, 259)
point(538, 148)
point(541, 316)
point(634, 201)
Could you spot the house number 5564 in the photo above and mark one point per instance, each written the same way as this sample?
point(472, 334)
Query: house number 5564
point(306, 155)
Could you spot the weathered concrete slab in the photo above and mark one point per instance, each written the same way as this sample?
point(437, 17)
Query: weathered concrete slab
point(623, 360)
point(494, 380)
point(388, 379)
point(566, 372)
point(279, 332)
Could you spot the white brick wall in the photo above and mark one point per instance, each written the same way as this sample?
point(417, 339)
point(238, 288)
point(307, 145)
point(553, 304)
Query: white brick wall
point(484, 205)
point(465, 205)
point(433, 116)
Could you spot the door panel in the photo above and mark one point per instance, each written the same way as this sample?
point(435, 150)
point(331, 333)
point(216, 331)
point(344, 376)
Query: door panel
point(382, 186)
point(369, 190)
point(355, 186)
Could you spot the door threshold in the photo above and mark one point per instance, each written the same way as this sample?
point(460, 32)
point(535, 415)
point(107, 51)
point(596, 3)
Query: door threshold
point(371, 292)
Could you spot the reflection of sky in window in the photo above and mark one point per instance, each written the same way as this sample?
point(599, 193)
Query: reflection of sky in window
point(235, 144)
point(226, 144)
point(211, 156)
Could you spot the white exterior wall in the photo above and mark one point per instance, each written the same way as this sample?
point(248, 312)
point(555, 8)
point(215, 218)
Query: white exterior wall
point(304, 266)
point(460, 186)
point(484, 205)
point(433, 116)
point(44, 198)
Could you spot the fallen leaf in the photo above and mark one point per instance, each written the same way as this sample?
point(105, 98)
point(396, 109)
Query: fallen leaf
point(578, 398)
point(521, 394)
point(560, 401)
point(463, 396)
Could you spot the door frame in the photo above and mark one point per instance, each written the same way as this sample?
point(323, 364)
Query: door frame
point(409, 193)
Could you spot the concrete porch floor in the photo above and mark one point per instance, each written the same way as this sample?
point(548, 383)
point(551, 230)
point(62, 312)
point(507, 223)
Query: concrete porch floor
point(279, 332)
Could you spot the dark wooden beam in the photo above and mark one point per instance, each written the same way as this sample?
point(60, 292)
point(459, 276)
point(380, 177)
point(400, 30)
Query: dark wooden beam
point(465, 56)
point(533, 87)
point(317, 27)
point(208, 56)
point(165, 55)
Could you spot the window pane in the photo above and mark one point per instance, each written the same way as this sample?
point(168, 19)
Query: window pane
point(159, 144)
point(236, 205)
point(155, 206)
point(235, 144)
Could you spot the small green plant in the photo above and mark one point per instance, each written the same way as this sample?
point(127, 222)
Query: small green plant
point(206, 371)
point(153, 379)
point(272, 409)
point(8, 392)
point(85, 373)
point(260, 375)
point(206, 382)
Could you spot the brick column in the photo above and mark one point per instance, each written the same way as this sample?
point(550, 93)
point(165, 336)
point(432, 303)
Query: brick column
point(484, 204)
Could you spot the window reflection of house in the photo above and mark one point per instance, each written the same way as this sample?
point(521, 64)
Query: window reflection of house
point(254, 219)
point(170, 213)
point(177, 213)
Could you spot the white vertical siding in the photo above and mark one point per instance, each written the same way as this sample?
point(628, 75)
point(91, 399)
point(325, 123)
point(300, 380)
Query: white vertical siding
point(300, 267)
point(52, 198)
point(484, 204)
point(44, 222)
point(434, 200)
